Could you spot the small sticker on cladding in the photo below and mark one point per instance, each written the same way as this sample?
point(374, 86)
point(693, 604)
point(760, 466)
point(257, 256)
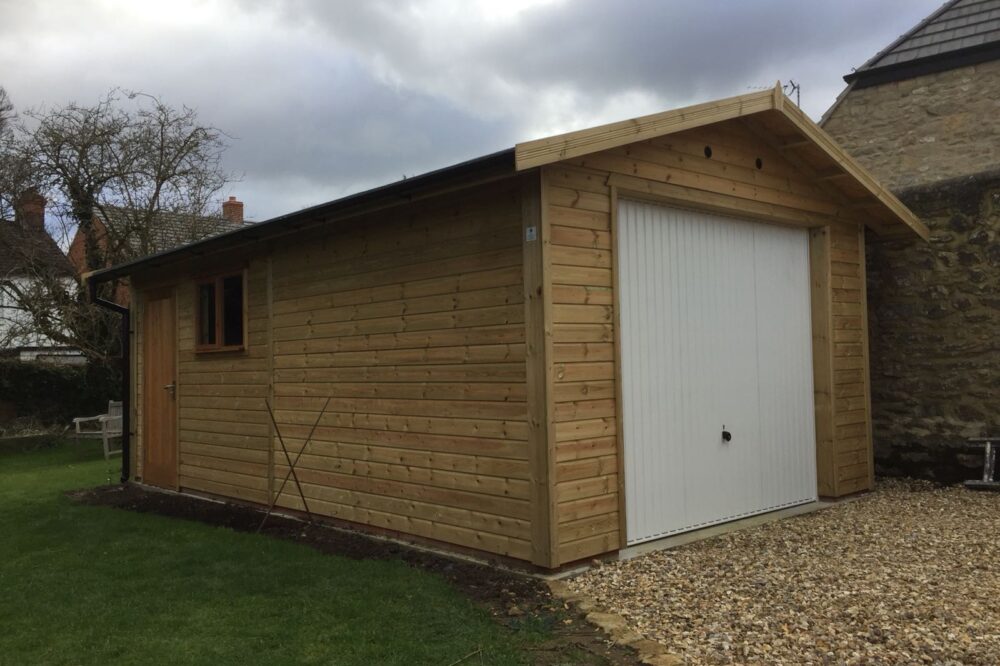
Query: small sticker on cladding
point(531, 234)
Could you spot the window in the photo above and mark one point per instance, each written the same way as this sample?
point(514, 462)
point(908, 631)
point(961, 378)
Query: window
point(220, 307)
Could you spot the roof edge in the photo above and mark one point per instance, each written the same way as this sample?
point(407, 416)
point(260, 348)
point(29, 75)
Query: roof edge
point(530, 154)
point(870, 63)
point(932, 64)
point(398, 192)
point(549, 150)
point(534, 154)
point(827, 144)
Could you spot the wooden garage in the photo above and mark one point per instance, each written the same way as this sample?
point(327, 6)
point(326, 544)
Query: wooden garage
point(544, 354)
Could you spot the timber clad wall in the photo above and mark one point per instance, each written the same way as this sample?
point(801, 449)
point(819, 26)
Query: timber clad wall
point(414, 325)
point(674, 169)
point(224, 433)
point(586, 491)
point(852, 425)
point(413, 322)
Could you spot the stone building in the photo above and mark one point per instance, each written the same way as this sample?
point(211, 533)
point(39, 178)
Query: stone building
point(924, 116)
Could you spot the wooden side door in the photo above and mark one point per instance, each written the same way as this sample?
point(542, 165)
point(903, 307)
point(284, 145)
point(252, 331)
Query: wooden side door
point(159, 384)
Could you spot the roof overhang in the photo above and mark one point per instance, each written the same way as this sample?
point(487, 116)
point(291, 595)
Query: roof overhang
point(909, 69)
point(880, 209)
point(787, 126)
point(481, 170)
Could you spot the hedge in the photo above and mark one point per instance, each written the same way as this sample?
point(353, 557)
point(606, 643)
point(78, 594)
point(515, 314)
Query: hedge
point(54, 394)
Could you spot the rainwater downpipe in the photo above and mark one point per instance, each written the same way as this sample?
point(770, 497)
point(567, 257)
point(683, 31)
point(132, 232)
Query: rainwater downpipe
point(126, 343)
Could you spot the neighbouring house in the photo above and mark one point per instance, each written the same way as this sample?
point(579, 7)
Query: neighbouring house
point(923, 116)
point(545, 354)
point(29, 256)
point(169, 230)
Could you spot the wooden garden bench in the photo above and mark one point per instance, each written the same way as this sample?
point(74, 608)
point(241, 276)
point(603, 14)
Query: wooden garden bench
point(105, 427)
point(989, 481)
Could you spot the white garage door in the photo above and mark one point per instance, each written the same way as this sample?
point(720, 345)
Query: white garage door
point(715, 336)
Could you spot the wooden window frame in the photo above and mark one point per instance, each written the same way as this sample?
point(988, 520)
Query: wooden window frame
point(216, 280)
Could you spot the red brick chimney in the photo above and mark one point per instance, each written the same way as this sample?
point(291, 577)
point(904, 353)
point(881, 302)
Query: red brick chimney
point(30, 209)
point(232, 210)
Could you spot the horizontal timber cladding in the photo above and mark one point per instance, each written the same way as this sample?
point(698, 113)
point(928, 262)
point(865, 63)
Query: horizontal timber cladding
point(224, 437)
point(411, 326)
point(580, 196)
point(411, 323)
point(583, 360)
point(852, 450)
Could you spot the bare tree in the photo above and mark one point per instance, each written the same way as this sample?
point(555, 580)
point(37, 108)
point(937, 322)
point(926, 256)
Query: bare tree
point(118, 173)
point(130, 158)
point(13, 169)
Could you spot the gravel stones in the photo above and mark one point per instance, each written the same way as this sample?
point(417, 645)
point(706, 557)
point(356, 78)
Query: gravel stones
point(907, 574)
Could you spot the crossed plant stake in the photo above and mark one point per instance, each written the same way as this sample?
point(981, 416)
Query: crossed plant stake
point(291, 463)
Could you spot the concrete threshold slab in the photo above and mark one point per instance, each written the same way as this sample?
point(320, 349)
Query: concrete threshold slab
point(723, 528)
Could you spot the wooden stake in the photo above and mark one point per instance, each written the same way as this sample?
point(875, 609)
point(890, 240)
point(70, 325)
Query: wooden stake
point(478, 651)
point(291, 464)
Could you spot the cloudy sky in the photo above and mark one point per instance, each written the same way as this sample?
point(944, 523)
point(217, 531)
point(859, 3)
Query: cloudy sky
point(324, 97)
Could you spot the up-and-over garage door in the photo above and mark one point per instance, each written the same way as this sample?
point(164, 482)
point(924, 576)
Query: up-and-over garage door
point(716, 360)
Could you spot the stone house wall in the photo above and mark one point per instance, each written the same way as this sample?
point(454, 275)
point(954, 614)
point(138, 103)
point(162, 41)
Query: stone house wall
point(923, 130)
point(934, 308)
point(934, 326)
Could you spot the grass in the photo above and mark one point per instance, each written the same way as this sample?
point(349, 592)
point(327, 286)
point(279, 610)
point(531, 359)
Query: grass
point(92, 585)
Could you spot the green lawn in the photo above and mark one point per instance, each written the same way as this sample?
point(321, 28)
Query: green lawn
point(93, 585)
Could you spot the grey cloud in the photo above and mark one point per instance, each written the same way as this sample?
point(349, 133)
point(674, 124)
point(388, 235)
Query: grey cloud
point(323, 98)
point(675, 50)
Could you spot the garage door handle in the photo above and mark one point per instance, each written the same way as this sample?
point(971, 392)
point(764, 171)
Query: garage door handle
point(726, 436)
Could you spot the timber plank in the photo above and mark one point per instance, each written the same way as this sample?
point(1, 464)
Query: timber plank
point(571, 197)
point(488, 391)
point(514, 508)
point(508, 430)
point(459, 372)
point(585, 448)
point(581, 295)
point(442, 461)
point(472, 354)
point(588, 547)
point(587, 507)
point(477, 539)
point(486, 446)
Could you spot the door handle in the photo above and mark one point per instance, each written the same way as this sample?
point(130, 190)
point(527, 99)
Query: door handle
point(170, 387)
point(726, 435)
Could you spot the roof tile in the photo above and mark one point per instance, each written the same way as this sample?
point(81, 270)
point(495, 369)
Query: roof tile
point(956, 25)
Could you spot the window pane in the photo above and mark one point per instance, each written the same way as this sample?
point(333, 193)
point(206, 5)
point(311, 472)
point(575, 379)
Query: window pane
point(206, 314)
point(232, 310)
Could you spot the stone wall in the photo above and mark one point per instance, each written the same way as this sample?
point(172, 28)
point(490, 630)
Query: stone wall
point(934, 308)
point(927, 129)
point(934, 320)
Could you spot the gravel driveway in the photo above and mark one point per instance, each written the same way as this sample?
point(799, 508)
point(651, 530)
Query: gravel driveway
point(908, 574)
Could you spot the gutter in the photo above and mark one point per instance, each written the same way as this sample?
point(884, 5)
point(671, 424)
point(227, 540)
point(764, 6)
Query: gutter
point(488, 167)
point(866, 76)
point(126, 320)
